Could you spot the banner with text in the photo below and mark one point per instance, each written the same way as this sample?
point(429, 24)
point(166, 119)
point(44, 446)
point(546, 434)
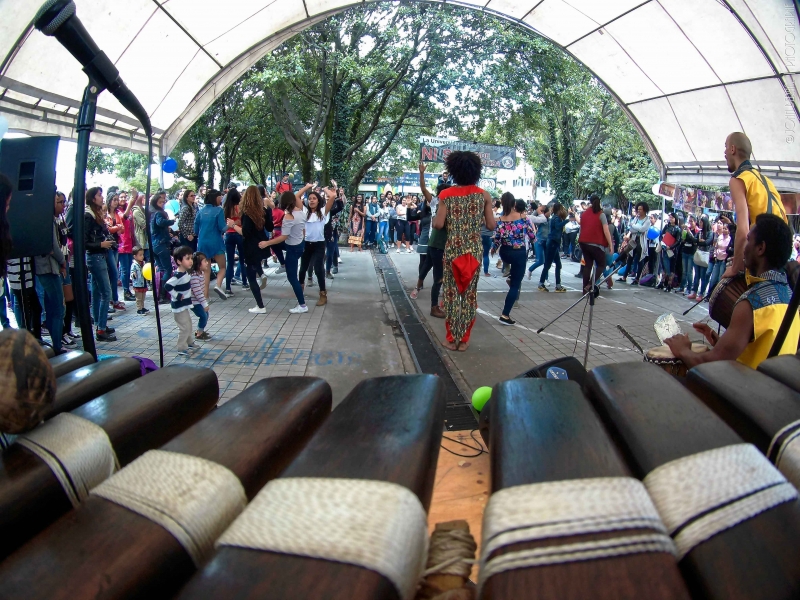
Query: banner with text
point(498, 157)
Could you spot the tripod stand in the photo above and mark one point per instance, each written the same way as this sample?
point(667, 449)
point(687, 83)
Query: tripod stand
point(593, 293)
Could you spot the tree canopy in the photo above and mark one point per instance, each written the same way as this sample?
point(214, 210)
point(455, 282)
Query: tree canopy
point(354, 92)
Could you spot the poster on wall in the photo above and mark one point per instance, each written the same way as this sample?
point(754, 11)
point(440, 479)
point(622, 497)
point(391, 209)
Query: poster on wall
point(696, 201)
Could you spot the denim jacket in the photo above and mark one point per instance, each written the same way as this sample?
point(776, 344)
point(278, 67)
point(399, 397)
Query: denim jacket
point(159, 230)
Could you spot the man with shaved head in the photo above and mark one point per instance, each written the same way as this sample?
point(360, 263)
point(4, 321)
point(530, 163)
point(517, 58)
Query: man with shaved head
point(752, 193)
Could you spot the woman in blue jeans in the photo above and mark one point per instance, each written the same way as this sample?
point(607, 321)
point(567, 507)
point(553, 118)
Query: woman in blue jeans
point(160, 224)
point(292, 233)
point(234, 243)
point(97, 242)
point(510, 236)
point(557, 222)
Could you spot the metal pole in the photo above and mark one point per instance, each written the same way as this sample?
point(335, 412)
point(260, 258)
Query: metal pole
point(578, 301)
point(591, 311)
point(86, 118)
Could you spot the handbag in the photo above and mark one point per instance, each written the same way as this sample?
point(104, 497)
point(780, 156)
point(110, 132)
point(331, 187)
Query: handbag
point(355, 240)
point(69, 296)
point(701, 258)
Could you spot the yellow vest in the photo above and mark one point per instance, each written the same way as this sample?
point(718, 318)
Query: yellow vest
point(757, 195)
point(769, 299)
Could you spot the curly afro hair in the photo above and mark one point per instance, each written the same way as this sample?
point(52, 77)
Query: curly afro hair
point(464, 167)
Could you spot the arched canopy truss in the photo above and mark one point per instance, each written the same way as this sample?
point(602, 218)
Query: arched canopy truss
point(687, 72)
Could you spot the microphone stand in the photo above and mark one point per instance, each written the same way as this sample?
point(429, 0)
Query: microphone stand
point(86, 122)
point(593, 293)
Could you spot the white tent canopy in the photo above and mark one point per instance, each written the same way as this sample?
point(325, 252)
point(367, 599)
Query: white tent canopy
point(687, 72)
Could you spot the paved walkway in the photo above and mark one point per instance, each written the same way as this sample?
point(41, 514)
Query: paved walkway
point(498, 352)
point(350, 339)
point(356, 336)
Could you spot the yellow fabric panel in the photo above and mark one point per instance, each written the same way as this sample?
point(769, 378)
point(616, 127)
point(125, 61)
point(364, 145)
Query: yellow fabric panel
point(757, 198)
point(766, 322)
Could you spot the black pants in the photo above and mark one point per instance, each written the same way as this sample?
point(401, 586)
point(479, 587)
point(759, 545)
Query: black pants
point(31, 310)
point(596, 257)
point(633, 258)
point(436, 256)
point(252, 272)
point(425, 266)
point(314, 257)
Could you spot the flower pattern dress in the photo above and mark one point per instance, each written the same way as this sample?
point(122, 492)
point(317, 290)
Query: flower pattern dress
point(465, 206)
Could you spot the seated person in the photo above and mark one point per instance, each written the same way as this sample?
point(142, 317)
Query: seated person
point(758, 313)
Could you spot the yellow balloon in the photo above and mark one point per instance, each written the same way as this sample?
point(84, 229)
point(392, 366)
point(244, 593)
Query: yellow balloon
point(147, 271)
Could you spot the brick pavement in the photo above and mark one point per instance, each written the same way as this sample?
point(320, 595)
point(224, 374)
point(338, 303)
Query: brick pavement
point(243, 348)
point(636, 309)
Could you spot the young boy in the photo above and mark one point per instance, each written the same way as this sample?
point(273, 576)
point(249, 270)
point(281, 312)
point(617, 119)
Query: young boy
point(179, 289)
point(138, 281)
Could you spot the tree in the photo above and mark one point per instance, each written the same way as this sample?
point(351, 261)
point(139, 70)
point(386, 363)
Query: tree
point(620, 168)
point(100, 161)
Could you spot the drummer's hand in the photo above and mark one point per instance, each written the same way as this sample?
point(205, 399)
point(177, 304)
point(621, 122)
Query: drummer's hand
point(678, 344)
point(710, 335)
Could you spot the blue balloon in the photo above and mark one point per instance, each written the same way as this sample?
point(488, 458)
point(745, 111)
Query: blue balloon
point(653, 233)
point(170, 165)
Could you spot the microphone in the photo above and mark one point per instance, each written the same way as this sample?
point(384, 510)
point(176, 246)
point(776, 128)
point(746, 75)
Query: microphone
point(57, 18)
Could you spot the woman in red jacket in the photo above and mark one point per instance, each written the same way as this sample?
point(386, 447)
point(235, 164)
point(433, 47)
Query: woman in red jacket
point(114, 228)
point(125, 234)
point(595, 241)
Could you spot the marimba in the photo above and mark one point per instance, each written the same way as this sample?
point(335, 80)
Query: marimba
point(137, 416)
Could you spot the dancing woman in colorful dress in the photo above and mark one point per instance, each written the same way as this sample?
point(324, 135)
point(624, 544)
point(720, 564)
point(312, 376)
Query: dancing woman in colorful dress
point(461, 210)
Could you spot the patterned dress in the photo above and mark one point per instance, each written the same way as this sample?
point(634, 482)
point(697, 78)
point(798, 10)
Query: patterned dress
point(464, 216)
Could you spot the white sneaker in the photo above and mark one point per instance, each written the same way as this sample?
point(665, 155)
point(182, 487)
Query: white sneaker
point(398, 251)
point(258, 311)
point(280, 270)
point(297, 309)
point(409, 251)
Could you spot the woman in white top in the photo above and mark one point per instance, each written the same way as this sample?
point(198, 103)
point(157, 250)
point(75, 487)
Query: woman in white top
point(403, 226)
point(314, 253)
point(294, 220)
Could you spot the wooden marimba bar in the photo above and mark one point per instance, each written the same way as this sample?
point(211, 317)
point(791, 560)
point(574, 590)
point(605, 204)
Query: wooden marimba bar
point(630, 488)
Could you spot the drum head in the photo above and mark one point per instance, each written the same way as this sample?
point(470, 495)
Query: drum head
point(659, 353)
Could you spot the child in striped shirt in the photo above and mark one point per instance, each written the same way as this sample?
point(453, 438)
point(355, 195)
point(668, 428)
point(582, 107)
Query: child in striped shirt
point(199, 300)
point(179, 289)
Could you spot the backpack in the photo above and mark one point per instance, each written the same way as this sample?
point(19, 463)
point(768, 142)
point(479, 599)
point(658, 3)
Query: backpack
point(382, 246)
point(648, 280)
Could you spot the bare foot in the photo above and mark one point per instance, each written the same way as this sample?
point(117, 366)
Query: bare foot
point(462, 347)
point(449, 345)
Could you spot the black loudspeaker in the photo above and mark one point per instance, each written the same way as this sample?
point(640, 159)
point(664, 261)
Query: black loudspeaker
point(30, 164)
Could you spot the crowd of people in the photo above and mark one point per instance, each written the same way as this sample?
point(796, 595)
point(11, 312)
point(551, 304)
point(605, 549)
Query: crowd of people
point(456, 230)
point(237, 233)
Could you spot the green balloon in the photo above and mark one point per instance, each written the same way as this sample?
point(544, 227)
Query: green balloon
point(480, 397)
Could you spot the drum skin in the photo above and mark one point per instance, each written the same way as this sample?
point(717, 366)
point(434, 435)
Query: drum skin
point(661, 356)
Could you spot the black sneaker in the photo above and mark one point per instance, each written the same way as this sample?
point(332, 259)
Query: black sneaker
point(129, 297)
point(105, 336)
point(110, 330)
point(506, 320)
